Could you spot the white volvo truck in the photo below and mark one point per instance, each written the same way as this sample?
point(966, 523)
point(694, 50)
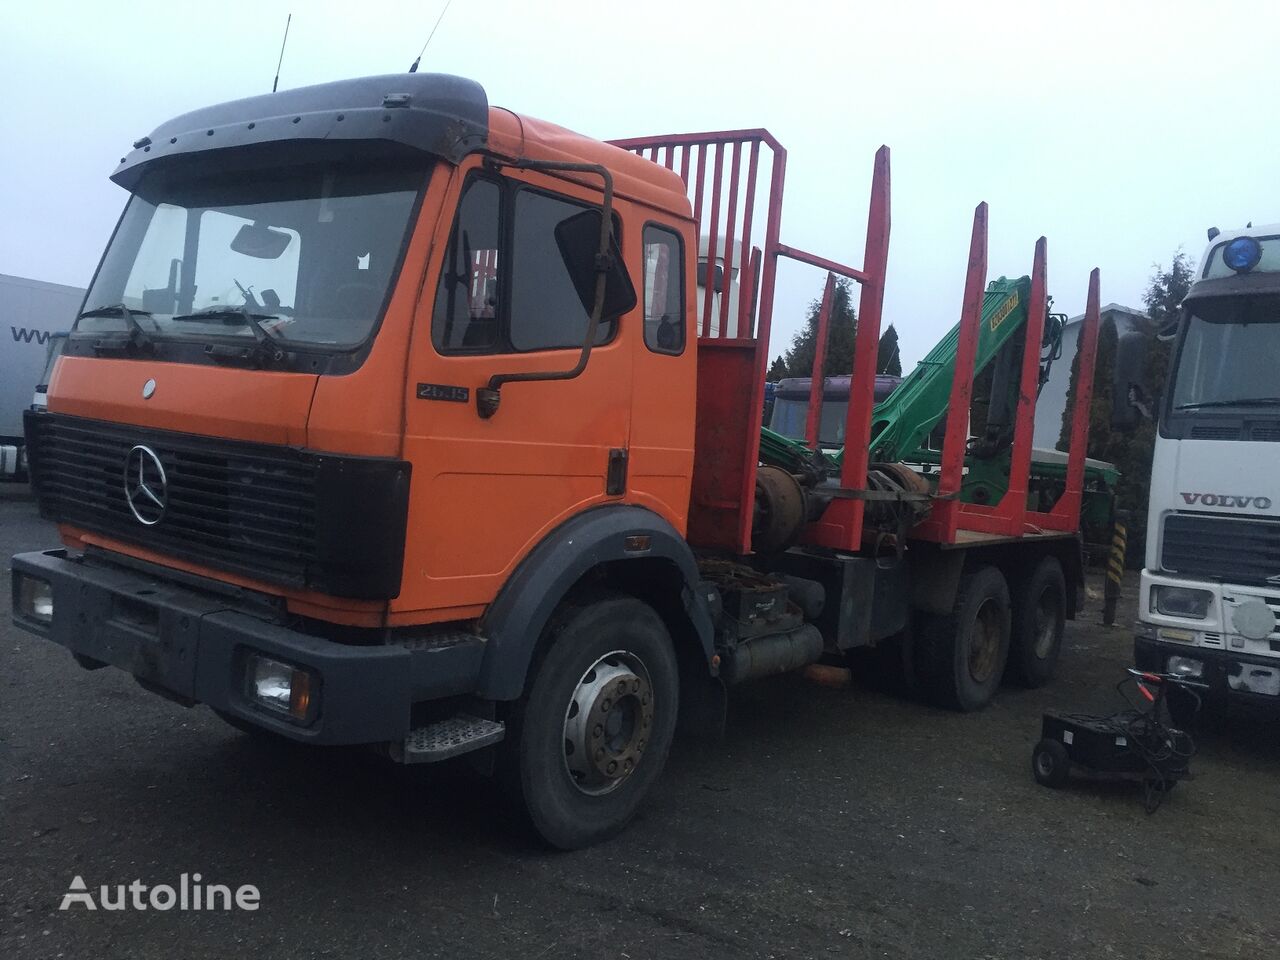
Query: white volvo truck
point(1210, 590)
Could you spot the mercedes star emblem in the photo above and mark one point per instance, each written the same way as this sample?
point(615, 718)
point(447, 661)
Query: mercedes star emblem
point(146, 489)
point(148, 389)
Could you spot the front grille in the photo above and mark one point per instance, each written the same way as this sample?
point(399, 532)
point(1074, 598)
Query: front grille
point(276, 514)
point(1215, 431)
point(241, 507)
point(1221, 548)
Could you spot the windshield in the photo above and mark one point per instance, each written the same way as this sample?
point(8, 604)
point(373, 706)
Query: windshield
point(1228, 354)
point(790, 416)
point(304, 254)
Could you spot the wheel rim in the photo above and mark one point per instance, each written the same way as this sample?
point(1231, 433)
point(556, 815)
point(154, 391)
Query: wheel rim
point(1048, 613)
point(984, 642)
point(607, 723)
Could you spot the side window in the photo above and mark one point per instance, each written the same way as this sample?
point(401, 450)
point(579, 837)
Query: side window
point(466, 314)
point(663, 291)
point(546, 311)
point(504, 286)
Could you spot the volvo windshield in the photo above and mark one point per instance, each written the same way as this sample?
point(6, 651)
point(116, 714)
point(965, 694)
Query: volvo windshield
point(1228, 354)
point(296, 255)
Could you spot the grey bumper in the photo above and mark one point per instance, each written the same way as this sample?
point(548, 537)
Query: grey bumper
point(1220, 666)
point(191, 645)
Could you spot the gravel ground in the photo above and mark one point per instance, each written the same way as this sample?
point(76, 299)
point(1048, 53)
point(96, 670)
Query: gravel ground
point(829, 822)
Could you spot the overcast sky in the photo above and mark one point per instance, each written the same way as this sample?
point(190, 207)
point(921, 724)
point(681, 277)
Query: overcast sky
point(1118, 130)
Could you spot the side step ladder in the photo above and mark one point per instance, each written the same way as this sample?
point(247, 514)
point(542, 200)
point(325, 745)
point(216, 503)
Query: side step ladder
point(443, 739)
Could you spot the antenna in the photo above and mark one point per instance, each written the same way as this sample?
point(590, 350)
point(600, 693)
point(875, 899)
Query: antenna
point(276, 81)
point(443, 11)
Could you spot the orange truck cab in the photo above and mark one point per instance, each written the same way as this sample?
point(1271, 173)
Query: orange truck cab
point(386, 421)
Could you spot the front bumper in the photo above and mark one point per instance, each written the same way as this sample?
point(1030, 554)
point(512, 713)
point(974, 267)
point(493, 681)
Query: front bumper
point(191, 645)
point(1225, 673)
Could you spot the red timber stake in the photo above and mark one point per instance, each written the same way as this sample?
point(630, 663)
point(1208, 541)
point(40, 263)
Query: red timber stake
point(841, 527)
point(946, 510)
point(1014, 502)
point(1068, 506)
point(817, 383)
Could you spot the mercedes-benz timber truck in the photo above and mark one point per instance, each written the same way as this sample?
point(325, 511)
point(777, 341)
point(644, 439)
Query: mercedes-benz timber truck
point(392, 418)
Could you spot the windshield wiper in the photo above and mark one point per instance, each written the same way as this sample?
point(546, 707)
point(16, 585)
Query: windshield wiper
point(268, 340)
point(249, 319)
point(1243, 402)
point(137, 332)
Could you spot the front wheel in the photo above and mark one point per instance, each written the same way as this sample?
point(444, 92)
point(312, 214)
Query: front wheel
point(591, 734)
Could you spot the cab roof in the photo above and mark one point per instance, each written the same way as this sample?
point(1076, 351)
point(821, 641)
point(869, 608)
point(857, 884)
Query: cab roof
point(394, 114)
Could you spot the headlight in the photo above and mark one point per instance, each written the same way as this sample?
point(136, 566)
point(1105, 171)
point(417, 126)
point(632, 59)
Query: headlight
point(33, 599)
point(1181, 602)
point(280, 687)
point(1186, 667)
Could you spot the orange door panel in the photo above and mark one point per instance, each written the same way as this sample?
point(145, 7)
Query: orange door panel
point(485, 491)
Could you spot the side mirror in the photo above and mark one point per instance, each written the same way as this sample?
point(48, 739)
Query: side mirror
point(717, 276)
point(1129, 402)
point(259, 241)
point(578, 239)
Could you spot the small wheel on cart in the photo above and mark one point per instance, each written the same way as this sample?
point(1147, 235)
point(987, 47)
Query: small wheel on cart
point(1162, 786)
point(1050, 764)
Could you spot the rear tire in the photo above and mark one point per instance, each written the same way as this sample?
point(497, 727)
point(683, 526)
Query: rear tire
point(590, 735)
point(960, 658)
point(1039, 619)
point(1050, 764)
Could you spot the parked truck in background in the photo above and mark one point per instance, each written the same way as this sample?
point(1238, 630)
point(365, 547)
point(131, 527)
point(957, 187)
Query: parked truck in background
point(1210, 586)
point(391, 418)
point(32, 313)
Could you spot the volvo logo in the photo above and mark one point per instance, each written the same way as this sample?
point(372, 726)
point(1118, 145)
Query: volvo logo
point(146, 489)
point(1225, 500)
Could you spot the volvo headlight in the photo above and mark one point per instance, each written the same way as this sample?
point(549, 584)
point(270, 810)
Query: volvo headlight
point(1185, 602)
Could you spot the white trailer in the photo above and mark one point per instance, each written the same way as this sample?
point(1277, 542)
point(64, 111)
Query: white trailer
point(31, 313)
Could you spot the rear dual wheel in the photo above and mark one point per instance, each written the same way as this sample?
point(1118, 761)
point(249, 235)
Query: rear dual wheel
point(1039, 620)
point(959, 658)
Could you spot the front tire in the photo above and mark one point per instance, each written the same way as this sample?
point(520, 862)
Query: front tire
point(590, 736)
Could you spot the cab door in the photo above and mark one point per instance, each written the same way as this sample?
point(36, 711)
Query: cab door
point(499, 299)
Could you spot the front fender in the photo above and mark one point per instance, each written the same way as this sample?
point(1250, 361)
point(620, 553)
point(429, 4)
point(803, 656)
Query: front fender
point(515, 620)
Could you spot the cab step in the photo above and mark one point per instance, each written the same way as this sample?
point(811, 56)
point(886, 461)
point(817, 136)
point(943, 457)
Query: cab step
point(443, 739)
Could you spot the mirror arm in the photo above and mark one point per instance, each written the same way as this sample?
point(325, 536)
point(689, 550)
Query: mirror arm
point(489, 397)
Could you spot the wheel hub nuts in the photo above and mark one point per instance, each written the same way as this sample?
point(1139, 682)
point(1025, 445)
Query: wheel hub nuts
point(607, 723)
